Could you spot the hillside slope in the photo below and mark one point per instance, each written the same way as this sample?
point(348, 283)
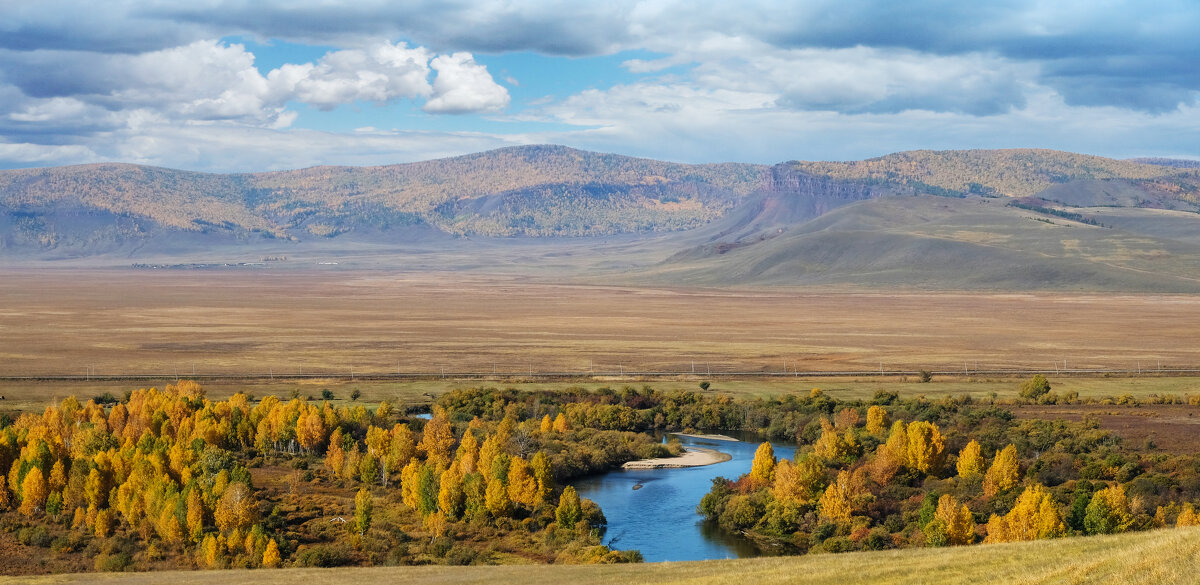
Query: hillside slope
point(938, 242)
point(1161, 557)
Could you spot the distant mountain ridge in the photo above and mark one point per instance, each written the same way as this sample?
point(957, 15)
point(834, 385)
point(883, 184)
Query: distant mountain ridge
point(528, 191)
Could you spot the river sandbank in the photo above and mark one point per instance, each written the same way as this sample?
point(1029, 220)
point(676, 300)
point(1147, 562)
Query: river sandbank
point(691, 457)
point(708, 437)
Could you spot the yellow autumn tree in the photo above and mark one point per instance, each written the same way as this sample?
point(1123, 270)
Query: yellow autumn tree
point(451, 496)
point(1187, 516)
point(33, 492)
point(877, 420)
point(403, 447)
point(195, 514)
point(236, 508)
point(410, 480)
point(547, 424)
point(560, 424)
point(762, 469)
point(834, 506)
point(956, 520)
point(437, 439)
point(797, 483)
point(1004, 473)
point(926, 448)
point(488, 452)
point(970, 461)
point(897, 443)
point(522, 486)
point(467, 454)
point(1034, 516)
point(310, 430)
point(271, 558)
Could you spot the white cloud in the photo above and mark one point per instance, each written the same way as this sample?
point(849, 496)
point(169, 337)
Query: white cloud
point(380, 73)
point(464, 86)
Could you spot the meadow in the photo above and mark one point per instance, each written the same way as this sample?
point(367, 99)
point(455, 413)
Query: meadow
point(1158, 557)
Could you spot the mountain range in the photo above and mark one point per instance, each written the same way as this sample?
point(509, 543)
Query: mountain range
point(1014, 219)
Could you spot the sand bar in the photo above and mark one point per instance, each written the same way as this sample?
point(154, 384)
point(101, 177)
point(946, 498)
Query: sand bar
point(709, 437)
point(692, 457)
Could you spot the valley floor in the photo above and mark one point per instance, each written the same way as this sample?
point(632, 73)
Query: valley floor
point(342, 323)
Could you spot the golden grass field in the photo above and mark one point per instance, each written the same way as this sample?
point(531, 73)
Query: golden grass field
point(1160, 557)
point(126, 322)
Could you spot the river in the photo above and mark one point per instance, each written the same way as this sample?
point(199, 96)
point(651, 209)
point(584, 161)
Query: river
point(660, 519)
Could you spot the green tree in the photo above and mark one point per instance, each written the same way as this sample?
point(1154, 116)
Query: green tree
point(1108, 512)
point(363, 505)
point(569, 511)
point(1035, 387)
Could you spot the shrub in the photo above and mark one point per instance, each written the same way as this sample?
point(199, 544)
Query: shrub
point(323, 556)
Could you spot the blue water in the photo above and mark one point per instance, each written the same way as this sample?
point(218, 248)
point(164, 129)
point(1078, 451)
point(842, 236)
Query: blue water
point(660, 518)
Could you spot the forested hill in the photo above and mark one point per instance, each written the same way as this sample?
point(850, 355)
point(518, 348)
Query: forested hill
point(529, 191)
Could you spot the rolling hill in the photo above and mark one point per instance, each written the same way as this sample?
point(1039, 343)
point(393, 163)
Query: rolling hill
point(939, 242)
point(941, 219)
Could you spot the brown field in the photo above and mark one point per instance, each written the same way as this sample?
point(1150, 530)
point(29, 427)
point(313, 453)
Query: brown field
point(125, 322)
point(1173, 428)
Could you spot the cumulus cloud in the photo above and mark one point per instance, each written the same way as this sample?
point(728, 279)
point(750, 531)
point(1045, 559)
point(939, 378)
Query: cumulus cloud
point(57, 96)
point(463, 86)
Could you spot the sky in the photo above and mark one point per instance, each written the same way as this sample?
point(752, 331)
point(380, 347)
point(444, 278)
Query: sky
point(253, 85)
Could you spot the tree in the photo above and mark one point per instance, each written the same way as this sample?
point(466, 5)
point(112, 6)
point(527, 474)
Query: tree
point(310, 430)
point(834, 506)
point(33, 492)
point(437, 438)
point(763, 467)
point(427, 491)
point(705, 386)
point(236, 508)
point(467, 455)
point(796, 483)
point(560, 424)
point(195, 514)
point(498, 503)
point(959, 525)
point(1188, 516)
point(897, 443)
point(970, 461)
point(488, 452)
point(1004, 473)
point(1035, 387)
point(877, 420)
point(547, 424)
point(522, 486)
point(1034, 516)
point(450, 493)
point(355, 394)
point(410, 479)
point(540, 466)
point(271, 559)
point(362, 511)
point(1108, 512)
point(570, 510)
point(925, 447)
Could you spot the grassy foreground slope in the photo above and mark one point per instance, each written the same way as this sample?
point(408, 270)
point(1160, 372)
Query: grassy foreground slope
point(1151, 558)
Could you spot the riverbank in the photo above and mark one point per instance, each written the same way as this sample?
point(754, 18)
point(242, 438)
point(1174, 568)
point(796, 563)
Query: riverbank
point(691, 457)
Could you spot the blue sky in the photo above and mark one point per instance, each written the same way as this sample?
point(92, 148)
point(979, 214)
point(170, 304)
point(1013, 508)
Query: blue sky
point(245, 85)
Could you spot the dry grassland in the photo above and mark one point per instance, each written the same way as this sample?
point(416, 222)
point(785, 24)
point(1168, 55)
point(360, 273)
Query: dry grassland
point(1160, 557)
point(55, 322)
